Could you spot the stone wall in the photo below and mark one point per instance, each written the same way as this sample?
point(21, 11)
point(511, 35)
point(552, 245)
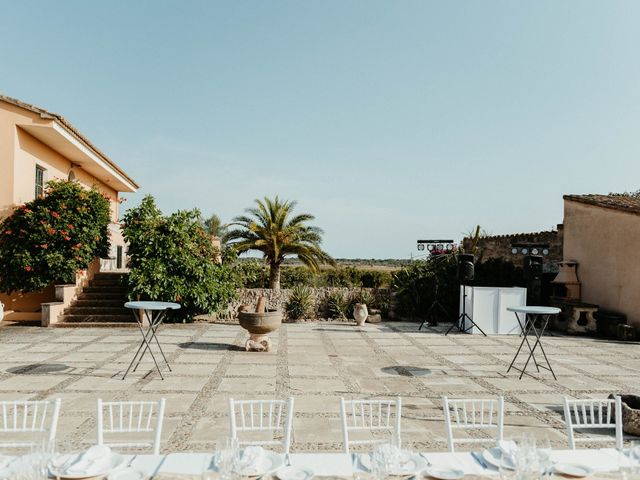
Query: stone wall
point(499, 246)
point(278, 299)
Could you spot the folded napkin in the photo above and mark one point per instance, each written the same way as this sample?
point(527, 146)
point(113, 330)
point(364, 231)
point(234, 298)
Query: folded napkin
point(252, 460)
point(508, 447)
point(93, 462)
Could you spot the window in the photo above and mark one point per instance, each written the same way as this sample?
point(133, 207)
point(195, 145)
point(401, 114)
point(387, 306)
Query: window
point(39, 181)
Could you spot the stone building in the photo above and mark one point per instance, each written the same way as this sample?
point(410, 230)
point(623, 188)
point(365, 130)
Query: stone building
point(500, 246)
point(601, 233)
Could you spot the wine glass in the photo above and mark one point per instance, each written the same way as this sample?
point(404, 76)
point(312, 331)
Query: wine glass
point(544, 456)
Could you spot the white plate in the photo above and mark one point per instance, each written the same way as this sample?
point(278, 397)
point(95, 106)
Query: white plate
point(126, 474)
point(493, 456)
point(267, 463)
point(444, 473)
point(572, 469)
point(117, 461)
point(294, 473)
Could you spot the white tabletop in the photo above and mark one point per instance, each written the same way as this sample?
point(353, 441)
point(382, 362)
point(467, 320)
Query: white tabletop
point(535, 310)
point(146, 305)
point(341, 464)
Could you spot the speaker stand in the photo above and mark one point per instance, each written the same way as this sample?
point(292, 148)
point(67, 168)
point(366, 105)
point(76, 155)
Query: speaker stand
point(431, 312)
point(460, 324)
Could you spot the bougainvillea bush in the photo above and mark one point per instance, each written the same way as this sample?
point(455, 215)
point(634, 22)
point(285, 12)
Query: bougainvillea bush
point(48, 240)
point(172, 259)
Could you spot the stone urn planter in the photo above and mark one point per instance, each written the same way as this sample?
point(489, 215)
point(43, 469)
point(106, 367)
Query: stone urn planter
point(259, 326)
point(360, 313)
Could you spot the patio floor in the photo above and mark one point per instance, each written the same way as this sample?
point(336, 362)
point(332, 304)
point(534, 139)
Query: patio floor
point(317, 363)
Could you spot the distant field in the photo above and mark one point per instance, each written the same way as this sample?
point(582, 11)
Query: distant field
point(388, 265)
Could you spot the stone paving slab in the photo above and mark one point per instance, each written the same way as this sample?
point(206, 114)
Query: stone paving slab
point(315, 363)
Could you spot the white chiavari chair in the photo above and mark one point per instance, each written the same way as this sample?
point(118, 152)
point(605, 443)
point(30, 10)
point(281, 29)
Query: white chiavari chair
point(373, 416)
point(132, 419)
point(593, 414)
point(274, 417)
point(473, 414)
point(23, 423)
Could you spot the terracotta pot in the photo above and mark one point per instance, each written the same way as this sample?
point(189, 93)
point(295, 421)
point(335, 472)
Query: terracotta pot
point(259, 326)
point(360, 313)
point(260, 323)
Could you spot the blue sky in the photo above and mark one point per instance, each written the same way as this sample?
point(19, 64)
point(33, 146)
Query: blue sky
point(388, 120)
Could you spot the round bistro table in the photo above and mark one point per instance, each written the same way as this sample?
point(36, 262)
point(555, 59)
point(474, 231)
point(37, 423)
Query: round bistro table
point(155, 313)
point(527, 317)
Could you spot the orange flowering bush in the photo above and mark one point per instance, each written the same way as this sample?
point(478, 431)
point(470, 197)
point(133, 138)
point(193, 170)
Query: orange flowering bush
point(49, 239)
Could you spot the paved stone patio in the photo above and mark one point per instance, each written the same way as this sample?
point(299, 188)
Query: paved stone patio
point(315, 363)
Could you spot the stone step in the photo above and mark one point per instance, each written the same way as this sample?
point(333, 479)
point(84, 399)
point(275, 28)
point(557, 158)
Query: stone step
point(105, 289)
point(102, 296)
point(99, 302)
point(101, 275)
point(107, 283)
point(64, 324)
point(113, 318)
point(96, 310)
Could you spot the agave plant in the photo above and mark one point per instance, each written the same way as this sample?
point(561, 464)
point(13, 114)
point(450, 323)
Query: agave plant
point(301, 302)
point(272, 229)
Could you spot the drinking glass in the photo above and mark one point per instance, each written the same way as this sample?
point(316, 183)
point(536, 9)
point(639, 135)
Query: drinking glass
point(506, 467)
point(625, 464)
point(544, 456)
point(226, 459)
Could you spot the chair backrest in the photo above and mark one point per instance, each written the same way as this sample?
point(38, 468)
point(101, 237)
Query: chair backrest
point(132, 418)
point(273, 416)
point(473, 414)
point(29, 417)
point(593, 414)
point(370, 415)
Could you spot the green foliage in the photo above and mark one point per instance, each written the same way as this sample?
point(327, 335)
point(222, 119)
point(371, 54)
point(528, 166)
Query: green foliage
point(296, 276)
point(415, 286)
point(50, 238)
point(172, 259)
point(301, 303)
point(271, 228)
point(249, 273)
point(338, 304)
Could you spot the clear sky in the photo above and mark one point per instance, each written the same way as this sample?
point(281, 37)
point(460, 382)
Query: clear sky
point(388, 120)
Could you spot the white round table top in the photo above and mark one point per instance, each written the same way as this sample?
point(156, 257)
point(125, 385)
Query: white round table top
point(147, 305)
point(535, 310)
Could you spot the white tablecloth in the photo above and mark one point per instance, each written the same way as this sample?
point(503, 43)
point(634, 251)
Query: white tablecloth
point(341, 464)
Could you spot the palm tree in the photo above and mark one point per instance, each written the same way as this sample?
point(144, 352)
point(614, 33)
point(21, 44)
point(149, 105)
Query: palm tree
point(272, 229)
point(214, 227)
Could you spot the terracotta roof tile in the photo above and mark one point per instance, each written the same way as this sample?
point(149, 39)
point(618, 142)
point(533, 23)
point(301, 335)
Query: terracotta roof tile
point(47, 114)
point(625, 203)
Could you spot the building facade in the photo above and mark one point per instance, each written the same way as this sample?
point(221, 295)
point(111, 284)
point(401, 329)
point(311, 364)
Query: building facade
point(37, 146)
point(601, 234)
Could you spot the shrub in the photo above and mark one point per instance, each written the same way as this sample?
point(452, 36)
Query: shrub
point(172, 259)
point(292, 276)
point(375, 278)
point(415, 286)
point(338, 305)
point(250, 273)
point(50, 238)
point(301, 303)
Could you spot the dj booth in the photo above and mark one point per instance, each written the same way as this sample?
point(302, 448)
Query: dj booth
point(487, 307)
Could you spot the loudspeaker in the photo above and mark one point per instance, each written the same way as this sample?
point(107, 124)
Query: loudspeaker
point(465, 267)
point(533, 267)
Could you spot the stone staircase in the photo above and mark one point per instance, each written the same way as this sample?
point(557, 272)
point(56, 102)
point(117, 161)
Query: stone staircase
point(101, 304)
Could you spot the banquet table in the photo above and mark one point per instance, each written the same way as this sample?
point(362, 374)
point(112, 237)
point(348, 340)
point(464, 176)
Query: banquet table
point(186, 465)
